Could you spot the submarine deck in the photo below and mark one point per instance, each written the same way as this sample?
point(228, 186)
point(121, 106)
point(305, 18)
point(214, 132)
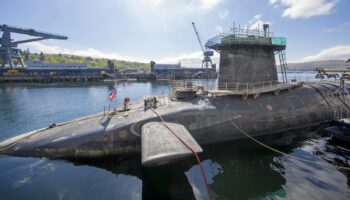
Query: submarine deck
point(208, 120)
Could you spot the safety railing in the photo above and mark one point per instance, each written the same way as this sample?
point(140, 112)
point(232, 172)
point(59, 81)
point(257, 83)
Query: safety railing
point(340, 113)
point(234, 88)
point(279, 41)
point(249, 88)
point(186, 84)
point(245, 31)
point(233, 39)
point(229, 39)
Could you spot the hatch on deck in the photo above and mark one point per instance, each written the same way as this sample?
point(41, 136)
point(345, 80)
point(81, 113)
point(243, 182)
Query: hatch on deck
point(159, 146)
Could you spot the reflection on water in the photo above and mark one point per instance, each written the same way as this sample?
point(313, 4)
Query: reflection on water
point(236, 170)
point(32, 178)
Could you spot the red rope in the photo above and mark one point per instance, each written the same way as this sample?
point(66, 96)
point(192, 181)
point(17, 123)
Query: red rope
point(189, 148)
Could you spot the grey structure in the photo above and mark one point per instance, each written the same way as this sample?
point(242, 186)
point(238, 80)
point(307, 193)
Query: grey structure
point(206, 52)
point(8, 48)
point(175, 71)
point(247, 56)
point(160, 146)
point(209, 120)
point(247, 64)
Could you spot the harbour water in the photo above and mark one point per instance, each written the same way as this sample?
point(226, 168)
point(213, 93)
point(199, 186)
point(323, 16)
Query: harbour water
point(236, 170)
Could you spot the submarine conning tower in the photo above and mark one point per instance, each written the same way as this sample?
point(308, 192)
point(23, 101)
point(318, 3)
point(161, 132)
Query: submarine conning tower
point(247, 57)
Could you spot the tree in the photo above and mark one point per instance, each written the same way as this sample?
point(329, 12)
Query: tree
point(42, 57)
point(88, 58)
point(26, 55)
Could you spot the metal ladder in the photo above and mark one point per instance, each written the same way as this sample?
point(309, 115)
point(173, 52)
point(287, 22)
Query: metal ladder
point(283, 64)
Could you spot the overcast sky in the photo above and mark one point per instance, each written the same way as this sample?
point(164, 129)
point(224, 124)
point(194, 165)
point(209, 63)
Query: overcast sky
point(161, 30)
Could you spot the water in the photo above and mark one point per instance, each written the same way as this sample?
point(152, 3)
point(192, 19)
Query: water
point(236, 170)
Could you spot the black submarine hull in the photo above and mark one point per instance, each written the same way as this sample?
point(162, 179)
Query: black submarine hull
point(208, 119)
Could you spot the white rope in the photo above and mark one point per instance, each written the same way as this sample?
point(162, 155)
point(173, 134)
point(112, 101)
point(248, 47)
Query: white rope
point(287, 155)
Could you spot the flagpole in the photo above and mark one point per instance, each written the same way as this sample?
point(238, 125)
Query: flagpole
point(116, 98)
point(111, 96)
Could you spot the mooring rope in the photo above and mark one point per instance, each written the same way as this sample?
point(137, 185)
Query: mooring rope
point(285, 154)
point(188, 146)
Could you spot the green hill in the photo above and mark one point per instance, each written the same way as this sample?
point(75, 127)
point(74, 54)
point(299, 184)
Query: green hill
point(92, 62)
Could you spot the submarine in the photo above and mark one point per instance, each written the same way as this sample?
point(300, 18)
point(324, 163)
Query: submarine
point(248, 96)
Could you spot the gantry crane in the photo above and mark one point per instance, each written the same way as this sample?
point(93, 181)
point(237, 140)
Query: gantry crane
point(206, 53)
point(8, 47)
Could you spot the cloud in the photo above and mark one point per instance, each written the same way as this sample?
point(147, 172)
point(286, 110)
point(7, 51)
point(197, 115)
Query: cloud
point(152, 3)
point(193, 59)
point(198, 55)
point(209, 4)
point(89, 52)
point(224, 13)
point(201, 5)
point(220, 29)
point(305, 8)
point(256, 22)
point(340, 52)
point(338, 28)
point(191, 5)
point(164, 25)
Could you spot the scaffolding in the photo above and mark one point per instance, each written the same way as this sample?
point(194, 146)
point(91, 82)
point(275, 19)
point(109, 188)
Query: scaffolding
point(239, 36)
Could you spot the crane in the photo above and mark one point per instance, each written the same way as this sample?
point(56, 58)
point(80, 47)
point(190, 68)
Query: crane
point(9, 48)
point(206, 53)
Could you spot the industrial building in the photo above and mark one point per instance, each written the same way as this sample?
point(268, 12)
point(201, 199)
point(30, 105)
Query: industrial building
point(39, 64)
point(176, 71)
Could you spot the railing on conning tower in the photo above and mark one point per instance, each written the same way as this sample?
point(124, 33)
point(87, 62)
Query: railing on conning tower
point(186, 85)
point(246, 36)
point(341, 112)
point(234, 88)
point(251, 88)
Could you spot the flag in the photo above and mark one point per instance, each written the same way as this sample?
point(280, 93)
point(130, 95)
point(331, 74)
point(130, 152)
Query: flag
point(112, 95)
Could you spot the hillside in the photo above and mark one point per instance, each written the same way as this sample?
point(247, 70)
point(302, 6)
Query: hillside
point(92, 62)
point(121, 64)
point(309, 66)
